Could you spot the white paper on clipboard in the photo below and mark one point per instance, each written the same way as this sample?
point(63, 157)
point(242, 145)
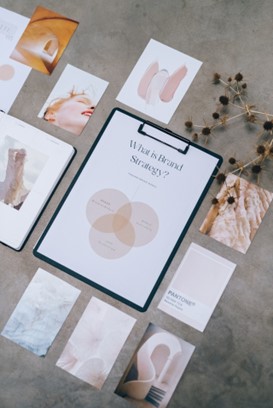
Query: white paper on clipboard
point(128, 208)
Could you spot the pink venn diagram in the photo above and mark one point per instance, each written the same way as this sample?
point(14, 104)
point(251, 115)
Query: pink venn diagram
point(117, 225)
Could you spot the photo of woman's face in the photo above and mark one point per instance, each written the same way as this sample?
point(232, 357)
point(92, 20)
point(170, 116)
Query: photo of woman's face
point(73, 114)
point(73, 100)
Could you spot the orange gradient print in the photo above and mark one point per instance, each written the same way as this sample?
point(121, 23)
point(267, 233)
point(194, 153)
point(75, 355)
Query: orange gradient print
point(117, 224)
point(44, 40)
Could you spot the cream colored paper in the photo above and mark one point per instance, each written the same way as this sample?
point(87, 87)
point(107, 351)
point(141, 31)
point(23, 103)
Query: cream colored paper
point(197, 286)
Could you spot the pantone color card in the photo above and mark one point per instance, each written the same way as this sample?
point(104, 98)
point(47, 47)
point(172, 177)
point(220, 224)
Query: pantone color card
point(197, 287)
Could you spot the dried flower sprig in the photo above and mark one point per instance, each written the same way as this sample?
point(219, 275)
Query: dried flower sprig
point(232, 104)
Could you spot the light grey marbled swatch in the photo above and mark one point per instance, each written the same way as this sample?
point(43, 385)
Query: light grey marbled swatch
point(40, 313)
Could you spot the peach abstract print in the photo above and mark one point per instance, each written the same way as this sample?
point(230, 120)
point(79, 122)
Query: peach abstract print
point(157, 84)
point(117, 224)
point(44, 40)
point(235, 225)
point(95, 343)
point(159, 81)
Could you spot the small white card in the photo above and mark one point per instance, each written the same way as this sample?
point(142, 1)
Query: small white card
point(197, 286)
point(12, 73)
point(159, 81)
point(94, 345)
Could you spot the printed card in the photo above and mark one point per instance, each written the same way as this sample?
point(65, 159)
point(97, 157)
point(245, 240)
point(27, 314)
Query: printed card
point(197, 287)
point(159, 81)
point(73, 100)
point(12, 74)
point(40, 313)
point(96, 342)
point(235, 223)
point(155, 368)
point(44, 40)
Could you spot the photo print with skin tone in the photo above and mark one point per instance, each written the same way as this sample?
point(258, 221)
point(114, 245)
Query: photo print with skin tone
point(235, 224)
point(159, 81)
point(73, 100)
point(20, 167)
point(13, 74)
point(44, 40)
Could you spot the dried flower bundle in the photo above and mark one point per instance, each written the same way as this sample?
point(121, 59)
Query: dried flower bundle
point(232, 104)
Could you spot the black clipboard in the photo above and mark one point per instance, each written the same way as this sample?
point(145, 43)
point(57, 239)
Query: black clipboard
point(128, 208)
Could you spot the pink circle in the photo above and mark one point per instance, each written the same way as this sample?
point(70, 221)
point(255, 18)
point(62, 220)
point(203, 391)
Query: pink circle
point(6, 72)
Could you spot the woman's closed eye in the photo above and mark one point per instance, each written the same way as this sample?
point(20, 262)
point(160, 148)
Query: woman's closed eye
point(83, 101)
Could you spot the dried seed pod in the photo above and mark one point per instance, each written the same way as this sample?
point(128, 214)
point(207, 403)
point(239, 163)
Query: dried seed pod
point(188, 124)
point(221, 178)
point(206, 131)
point(238, 77)
point(268, 125)
point(232, 160)
point(224, 100)
point(215, 115)
point(256, 169)
point(216, 78)
point(231, 200)
point(261, 149)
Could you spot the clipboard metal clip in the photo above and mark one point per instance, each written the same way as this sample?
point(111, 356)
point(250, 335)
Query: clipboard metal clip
point(168, 132)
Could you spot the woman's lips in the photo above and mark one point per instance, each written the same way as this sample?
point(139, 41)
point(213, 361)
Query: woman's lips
point(87, 112)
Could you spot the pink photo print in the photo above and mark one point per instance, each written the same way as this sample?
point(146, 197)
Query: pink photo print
point(159, 81)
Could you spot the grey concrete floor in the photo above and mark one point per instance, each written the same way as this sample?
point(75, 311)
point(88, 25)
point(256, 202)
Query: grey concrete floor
point(232, 365)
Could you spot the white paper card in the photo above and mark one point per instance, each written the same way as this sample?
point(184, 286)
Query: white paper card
point(12, 73)
point(96, 342)
point(40, 313)
point(197, 286)
point(159, 81)
point(31, 164)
